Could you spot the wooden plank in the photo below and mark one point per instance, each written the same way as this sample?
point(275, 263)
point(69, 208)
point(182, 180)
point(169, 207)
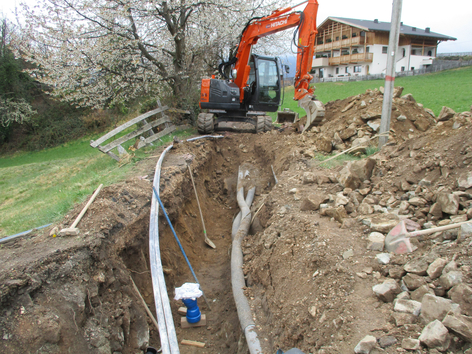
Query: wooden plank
point(193, 343)
point(133, 134)
point(126, 125)
point(182, 311)
point(177, 110)
point(201, 323)
point(156, 136)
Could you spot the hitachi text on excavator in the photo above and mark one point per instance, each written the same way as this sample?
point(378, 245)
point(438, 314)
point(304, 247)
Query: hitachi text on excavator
point(251, 84)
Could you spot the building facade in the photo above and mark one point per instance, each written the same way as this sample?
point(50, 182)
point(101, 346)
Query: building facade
point(349, 47)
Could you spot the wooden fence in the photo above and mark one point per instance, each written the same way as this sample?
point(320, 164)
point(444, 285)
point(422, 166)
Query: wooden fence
point(164, 123)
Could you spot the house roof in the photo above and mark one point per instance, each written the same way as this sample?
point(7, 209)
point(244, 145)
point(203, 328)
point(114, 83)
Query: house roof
point(385, 26)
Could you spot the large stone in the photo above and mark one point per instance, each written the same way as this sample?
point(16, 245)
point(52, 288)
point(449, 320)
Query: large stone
point(449, 279)
point(360, 144)
point(461, 294)
point(416, 266)
point(435, 335)
point(413, 281)
point(418, 201)
point(408, 97)
point(324, 145)
point(363, 168)
point(365, 345)
point(402, 318)
point(418, 294)
point(435, 269)
point(465, 180)
point(397, 91)
point(436, 211)
point(312, 202)
point(347, 133)
point(340, 199)
point(411, 344)
point(348, 179)
point(387, 291)
point(387, 341)
point(436, 308)
point(384, 222)
point(370, 114)
point(338, 213)
point(365, 209)
point(446, 114)
point(376, 241)
point(309, 177)
point(408, 306)
point(460, 325)
point(449, 203)
point(422, 124)
point(374, 124)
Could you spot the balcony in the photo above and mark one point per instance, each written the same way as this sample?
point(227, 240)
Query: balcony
point(320, 62)
point(352, 59)
point(340, 44)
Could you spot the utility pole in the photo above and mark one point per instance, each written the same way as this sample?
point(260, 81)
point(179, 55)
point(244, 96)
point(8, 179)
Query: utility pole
point(390, 74)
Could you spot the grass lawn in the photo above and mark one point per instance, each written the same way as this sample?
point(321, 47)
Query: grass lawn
point(37, 188)
point(452, 88)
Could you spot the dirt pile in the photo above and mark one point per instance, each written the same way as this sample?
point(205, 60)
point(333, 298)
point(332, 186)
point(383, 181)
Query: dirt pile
point(317, 276)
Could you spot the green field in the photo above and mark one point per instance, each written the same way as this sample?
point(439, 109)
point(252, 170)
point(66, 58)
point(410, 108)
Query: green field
point(452, 88)
point(37, 188)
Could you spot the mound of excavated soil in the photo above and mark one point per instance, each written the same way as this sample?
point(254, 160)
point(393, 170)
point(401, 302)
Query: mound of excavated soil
point(310, 261)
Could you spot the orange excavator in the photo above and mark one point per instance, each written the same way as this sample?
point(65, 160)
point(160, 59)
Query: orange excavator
point(252, 84)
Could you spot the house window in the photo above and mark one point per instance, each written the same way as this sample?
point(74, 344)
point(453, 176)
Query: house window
point(367, 49)
point(430, 53)
point(347, 69)
point(404, 52)
point(354, 51)
point(412, 68)
point(384, 50)
point(337, 71)
point(357, 68)
point(403, 68)
point(354, 35)
point(337, 38)
point(413, 52)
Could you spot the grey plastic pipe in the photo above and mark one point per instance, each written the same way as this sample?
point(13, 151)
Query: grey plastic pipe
point(237, 275)
point(237, 219)
point(165, 321)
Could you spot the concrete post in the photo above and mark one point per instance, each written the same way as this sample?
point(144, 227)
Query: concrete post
point(390, 74)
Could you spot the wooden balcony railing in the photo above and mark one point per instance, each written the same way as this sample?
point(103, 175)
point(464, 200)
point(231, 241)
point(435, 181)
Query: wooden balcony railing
point(340, 44)
point(351, 59)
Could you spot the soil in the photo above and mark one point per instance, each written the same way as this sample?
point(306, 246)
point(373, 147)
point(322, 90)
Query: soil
point(309, 272)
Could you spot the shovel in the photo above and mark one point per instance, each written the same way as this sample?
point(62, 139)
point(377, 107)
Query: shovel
point(207, 240)
point(398, 239)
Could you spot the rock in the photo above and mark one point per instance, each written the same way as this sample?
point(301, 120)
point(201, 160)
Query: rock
point(348, 179)
point(422, 124)
point(430, 112)
point(416, 266)
point(455, 219)
point(436, 211)
point(435, 335)
point(384, 222)
point(397, 91)
point(408, 306)
point(460, 325)
point(293, 191)
point(418, 201)
point(387, 291)
point(383, 258)
point(387, 341)
point(370, 114)
point(312, 202)
point(411, 344)
point(308, 177)
point(461, 294)
point(451, 266)
point(360, 144)
point(340, 199)
point(348, 254)
point(435, 269)
point(418, 294)
point(401, 118)
point(374, 124)
point(365, 209)
point(405, 295)
point(448, 280)
point(324, 145)
point(349, 106)
point(312, 311)
point(365, 345)
point(465, 180)
point(363, 104)
point(413, 281)
point(376, 241)
point(449, 203)
point(363, 168)
point(347, 133)
point(409, 97)
point(402, 318)
point(338, 142)
point(446, 114)
point(436, 308)
point(396, 272)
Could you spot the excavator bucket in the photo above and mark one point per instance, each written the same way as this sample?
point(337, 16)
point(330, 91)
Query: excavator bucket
point(287, 115)
point(315, 111)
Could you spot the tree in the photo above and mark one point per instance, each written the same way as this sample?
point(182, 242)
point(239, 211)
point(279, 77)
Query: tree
point(102, 52)
point(15, 86)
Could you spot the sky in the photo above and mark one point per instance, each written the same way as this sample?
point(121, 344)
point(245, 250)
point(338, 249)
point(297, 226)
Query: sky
point(451, 18)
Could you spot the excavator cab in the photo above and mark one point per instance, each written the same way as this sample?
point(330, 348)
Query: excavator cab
point(261, 94)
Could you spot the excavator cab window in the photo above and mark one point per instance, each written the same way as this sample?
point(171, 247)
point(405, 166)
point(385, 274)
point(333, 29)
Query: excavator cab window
point(268, 81)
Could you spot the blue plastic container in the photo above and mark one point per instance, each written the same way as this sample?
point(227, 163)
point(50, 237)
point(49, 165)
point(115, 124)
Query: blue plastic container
point(193, 312)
